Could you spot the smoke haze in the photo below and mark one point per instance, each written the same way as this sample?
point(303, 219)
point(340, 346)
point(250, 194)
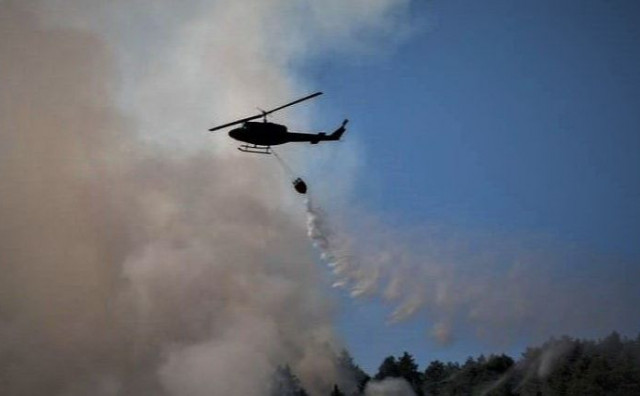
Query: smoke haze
point(389, 387)
point(133, 261)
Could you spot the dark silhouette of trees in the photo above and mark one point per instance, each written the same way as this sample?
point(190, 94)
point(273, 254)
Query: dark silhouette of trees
point(436, 376)
point(559, 367)
point(347, 367)
point(285, 383)
point(336, 391)
point(403, 367)
point(408, 369)
point(388, 368)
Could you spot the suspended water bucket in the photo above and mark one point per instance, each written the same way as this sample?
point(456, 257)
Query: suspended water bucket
point(300, 186)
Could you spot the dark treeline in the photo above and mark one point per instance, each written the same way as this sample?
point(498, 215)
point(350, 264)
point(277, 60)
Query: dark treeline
point(565, 366)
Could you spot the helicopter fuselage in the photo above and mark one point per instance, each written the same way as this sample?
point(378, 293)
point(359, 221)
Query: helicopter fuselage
point(271, 134)
point(261, 133)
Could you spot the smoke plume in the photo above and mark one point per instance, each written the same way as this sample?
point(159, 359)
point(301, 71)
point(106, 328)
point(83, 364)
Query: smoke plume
point(389, 387)
point(133, 260)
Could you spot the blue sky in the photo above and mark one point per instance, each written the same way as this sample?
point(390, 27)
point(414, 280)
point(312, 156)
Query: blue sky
point(497, 116)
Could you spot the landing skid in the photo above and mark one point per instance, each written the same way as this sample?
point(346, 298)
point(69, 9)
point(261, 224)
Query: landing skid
point(255, 149)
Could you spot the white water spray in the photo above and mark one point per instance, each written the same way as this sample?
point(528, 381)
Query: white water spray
point(363, 273)
point(494, 285)
point(322, 238)
point(336, 252)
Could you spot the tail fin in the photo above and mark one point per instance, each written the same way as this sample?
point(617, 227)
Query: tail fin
point(337, 134)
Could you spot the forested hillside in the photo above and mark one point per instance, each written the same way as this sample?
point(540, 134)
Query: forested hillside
point(565, 366)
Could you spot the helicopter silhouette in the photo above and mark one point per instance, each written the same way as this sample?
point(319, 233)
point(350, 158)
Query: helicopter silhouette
point(260, 136)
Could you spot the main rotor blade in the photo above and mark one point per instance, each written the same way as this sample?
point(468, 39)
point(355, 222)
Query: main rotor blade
point(235, 122)
point(294, 102)
point(264, 113)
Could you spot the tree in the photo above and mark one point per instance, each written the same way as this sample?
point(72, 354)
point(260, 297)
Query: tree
point(352, 370)
point(612, 345)
point(285, 383)
point(499, 364)
point(434, 377)
point(388, 368)
point(408, 369)
point(336, 391)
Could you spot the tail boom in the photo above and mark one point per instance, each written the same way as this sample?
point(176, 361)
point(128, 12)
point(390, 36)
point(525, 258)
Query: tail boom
point(318, 137)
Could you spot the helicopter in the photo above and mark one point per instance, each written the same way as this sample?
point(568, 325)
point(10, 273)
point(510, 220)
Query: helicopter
point(258, 137)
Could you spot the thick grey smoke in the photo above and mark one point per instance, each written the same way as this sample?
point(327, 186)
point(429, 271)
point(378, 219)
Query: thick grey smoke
point(504, 288)
point(134, 261)
point(389, 387)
